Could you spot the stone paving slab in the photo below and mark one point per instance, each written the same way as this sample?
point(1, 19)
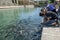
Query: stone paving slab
point(51, 33)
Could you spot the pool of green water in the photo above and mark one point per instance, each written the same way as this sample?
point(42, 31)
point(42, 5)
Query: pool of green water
point(20, 24)
point(8, 16)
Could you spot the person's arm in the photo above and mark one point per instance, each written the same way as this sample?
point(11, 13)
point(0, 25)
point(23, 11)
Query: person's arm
point(45, 20)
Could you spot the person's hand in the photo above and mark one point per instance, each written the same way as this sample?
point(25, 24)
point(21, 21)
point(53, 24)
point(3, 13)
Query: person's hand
point(48, 19)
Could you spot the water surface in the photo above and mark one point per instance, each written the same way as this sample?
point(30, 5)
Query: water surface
point(20, 24)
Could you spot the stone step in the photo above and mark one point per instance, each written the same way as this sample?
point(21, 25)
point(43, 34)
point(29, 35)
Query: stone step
point(51, 33)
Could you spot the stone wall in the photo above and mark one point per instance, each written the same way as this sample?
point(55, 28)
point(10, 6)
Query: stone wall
point(13, 2)
point(6, 2)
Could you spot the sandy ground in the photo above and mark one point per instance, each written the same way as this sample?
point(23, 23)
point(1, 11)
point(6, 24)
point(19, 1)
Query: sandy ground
point(51, 33)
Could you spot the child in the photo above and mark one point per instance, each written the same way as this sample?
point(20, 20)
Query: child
point(50, 18)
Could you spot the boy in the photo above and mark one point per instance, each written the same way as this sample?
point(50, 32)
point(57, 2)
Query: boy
point(50, 18)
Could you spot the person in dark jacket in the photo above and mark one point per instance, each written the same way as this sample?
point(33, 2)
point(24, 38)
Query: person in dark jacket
point(50, 18)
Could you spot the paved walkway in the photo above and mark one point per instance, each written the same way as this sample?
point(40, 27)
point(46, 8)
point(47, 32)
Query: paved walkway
point(51, 33)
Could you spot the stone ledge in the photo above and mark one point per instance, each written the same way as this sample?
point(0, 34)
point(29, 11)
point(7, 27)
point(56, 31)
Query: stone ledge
point(51, 34)
point(27, 6)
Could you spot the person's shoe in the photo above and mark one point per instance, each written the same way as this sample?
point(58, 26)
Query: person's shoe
point(57, 25)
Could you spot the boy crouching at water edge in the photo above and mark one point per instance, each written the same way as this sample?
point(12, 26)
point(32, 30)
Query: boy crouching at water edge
point(50, 18)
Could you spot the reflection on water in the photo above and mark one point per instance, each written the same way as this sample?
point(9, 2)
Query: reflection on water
point(20, 24)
